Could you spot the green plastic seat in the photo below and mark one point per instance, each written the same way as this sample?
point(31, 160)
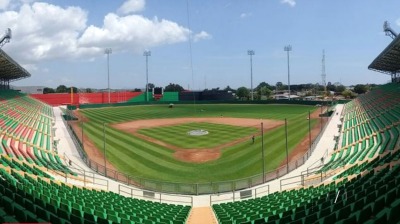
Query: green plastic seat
point(114, 218)
point(76, 219)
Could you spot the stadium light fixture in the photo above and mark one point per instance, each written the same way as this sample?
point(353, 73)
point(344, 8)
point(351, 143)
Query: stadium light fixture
point(147, 53)
point(108, 51)
point(288, 48)
point(251, 53)
point(6, 38)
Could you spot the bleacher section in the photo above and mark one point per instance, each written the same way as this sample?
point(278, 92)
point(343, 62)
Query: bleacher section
point(365, 187)
point(28, 193)
point(26, 198)
point(26, 132)
point(373, 197)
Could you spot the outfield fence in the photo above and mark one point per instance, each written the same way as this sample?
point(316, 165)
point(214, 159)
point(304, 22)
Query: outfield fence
point(193, 188)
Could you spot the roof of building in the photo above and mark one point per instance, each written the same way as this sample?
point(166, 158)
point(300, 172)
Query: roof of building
point(388, 60)
point(11, 70)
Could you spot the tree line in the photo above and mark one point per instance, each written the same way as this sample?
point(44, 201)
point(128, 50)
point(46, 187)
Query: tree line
point(263, 90)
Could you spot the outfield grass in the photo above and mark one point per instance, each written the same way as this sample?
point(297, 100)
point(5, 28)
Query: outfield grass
point(218, 134)
point(139, 158)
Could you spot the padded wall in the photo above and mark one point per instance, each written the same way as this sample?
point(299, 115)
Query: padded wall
point(56, 99)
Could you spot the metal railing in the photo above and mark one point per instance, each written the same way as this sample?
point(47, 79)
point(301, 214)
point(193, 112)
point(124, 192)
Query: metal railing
point(154, 196)
point(234, 196)
point(191, 188)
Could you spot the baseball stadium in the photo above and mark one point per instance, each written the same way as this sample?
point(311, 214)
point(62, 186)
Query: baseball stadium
point(169, 157)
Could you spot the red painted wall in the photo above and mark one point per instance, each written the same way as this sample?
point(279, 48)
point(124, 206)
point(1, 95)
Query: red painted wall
point(56, 99)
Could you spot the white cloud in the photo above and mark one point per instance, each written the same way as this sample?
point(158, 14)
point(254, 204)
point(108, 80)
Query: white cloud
point(244, 15)
point(398, 22)
point(291, 3)
point(131, 6)
point(203, 35)
point(134, 31)
point(4, 4)
point(42, 31)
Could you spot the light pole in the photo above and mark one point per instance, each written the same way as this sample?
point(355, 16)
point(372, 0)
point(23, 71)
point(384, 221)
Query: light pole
point(251, 53)
point(287, 49)
point(147, 53)
point(108, 51)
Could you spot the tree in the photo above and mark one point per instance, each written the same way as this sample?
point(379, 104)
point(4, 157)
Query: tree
point(150, 86)
point(264, 84)
point(228, 88)
point(48, 90)
point(173, 88)
point(360, 89)
point(137, 90)
point(279, 85)
point(74, 89)
point(264, 91)
point(89, 90)
point(61, 89)
point(330, 87)
point(243, 92)
point(348, 94)
point(340, 88)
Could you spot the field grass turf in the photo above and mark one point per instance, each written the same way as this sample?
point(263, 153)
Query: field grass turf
point(218, 134)
point(136, 157)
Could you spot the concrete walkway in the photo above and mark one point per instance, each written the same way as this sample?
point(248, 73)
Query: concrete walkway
point(201, 215)
point(67, 148)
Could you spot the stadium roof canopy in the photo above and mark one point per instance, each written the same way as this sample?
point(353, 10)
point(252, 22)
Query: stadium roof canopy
point(11, 70)
point(388, 61)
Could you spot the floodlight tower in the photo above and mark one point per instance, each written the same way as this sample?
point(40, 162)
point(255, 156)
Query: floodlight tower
point(288, 48)
point(388, 31)
point(251, 53)
point(323, 75)
point(147, 53)
point(108, 51)
point(6, 38)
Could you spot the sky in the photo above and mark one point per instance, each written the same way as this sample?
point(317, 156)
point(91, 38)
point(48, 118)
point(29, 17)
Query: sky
point(196, 44)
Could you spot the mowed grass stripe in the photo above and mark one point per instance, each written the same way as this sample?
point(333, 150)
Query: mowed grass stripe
point(120, 114)
point(131, 155)
point(177, 135)
point(117, 151)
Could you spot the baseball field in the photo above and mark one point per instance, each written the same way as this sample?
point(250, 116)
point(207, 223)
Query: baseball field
point(194, 143)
